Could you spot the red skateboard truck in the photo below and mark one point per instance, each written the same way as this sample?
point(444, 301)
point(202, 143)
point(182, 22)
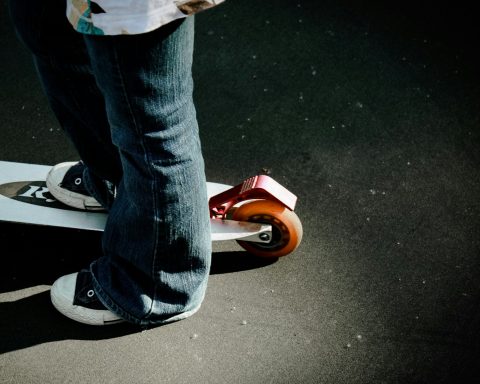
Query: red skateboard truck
point(260, 199)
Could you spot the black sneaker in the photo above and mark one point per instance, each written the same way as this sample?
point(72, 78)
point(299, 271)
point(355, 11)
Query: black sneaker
point(73, 296)
point(65, 183)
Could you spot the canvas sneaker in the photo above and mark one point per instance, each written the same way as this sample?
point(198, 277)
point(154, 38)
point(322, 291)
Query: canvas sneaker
point(73, 296)
point(66, 184)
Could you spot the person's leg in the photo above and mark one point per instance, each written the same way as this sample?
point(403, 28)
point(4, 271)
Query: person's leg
point(64, 69)
point(157, 242)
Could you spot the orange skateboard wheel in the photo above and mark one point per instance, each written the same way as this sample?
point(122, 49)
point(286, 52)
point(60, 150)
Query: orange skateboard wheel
point(287, 229)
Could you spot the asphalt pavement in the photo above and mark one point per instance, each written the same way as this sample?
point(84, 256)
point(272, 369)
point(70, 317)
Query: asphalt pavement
point(369, 112)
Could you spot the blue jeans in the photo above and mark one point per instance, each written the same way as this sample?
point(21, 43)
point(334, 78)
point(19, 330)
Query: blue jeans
point(126, 104)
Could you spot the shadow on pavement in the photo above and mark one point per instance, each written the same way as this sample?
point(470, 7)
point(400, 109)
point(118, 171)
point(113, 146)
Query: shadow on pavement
point(33, 320)
point(229, 262)
point(39, 255)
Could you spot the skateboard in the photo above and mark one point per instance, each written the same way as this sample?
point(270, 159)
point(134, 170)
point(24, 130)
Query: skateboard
point(258, 213)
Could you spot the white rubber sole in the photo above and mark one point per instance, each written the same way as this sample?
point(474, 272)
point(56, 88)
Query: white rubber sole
point(72, 199)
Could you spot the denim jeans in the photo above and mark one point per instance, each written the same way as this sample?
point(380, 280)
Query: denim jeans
point(126, 103)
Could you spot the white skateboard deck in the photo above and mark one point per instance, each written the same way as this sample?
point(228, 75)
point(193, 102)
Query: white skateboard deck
point(24, 198)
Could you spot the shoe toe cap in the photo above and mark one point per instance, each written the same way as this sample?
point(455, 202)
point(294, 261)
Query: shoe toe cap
point(63, 289)
point(57, 173)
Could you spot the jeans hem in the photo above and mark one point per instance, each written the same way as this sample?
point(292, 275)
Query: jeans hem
point(116, 309)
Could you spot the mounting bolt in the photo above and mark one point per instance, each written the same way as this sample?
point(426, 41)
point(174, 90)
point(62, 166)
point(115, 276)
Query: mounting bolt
point(264, 237)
